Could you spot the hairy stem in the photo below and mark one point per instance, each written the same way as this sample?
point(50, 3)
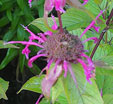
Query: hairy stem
point(60, 21)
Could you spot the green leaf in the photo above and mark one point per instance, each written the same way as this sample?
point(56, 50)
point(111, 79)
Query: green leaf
point(97, 1)
point(80, 93)
point(44, 101)
point(4, 45)
point(9, 35)
point(72, 19)
point(102, 51)
point(20, 33)
point(33, 84)
point(75, 18)
point(35, 69)
point(9, 15)
point(108, 99)
point(11, 54)
point(93, 7)
point(4, 21)
point(21, 60)
point(3, 88)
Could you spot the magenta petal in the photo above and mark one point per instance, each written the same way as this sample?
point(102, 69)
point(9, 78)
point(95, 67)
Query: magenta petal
point(59, 4)
point(31, 60)
point(26, 43)
point(49, 63)
point(65, 66)
point(92, 38)
point(85, 2)
point(30, 3)
point(54, 27)
point(96, 28)
point(49, 80)
point(56, 64)
point(26, 51)
point(91, 24)
point(33, 36)
point(86, 71)
point(37, 102)
point(101, 92)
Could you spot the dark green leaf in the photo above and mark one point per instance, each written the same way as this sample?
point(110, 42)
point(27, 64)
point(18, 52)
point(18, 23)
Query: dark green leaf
point(21, 60)
point(9, 15)
point(11, 54)
point(9, 35)
point(4, 21)
point(20, 33)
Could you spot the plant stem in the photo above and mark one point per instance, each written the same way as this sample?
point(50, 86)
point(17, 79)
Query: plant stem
point(106, 37)
point(60, 21)
point(109, 18)
point(97, 44)
point(102, 34)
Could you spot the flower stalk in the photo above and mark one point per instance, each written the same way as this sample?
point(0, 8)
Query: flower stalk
point(102, 34)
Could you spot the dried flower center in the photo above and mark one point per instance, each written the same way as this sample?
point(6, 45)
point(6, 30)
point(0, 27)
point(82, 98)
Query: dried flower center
point(64, 46)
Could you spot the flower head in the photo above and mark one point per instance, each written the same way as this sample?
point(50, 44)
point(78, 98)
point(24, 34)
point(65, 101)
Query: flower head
point(61, 49)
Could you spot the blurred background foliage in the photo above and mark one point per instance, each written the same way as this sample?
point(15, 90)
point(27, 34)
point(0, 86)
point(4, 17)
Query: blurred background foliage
point(12, 15)
point(13, 64)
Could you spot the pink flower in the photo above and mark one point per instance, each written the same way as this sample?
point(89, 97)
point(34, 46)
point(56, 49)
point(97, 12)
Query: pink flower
point(85, 2)
point(30, 3)
point(58, 4)
point(61, 49)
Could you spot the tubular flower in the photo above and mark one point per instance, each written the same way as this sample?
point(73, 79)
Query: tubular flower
point(30, 3)
point(85, 2)
point(58, 4)
point(92, 25)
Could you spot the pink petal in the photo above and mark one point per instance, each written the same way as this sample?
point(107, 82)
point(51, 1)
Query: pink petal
point(30, 3)
point(96, 28)
point(26, 51)
point(91, 24)
point(37, 102)
point(92, 38)
point(85, 2)
point(25, 43)
point(55, 26)
point(49, 81)
point(65, 66)
point(33, 36)
point(31, 60)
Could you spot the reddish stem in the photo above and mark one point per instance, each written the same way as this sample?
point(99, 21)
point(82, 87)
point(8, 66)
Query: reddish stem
point(60, 21)
point(102, 34)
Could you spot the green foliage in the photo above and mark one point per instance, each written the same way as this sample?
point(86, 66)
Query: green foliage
point(33, 84)
point(12, 15)
point(3, 88)
point(11, 54)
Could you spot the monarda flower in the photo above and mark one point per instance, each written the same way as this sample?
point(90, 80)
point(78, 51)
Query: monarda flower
point(61, 48)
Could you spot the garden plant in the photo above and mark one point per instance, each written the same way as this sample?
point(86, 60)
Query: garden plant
point(73, 37)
